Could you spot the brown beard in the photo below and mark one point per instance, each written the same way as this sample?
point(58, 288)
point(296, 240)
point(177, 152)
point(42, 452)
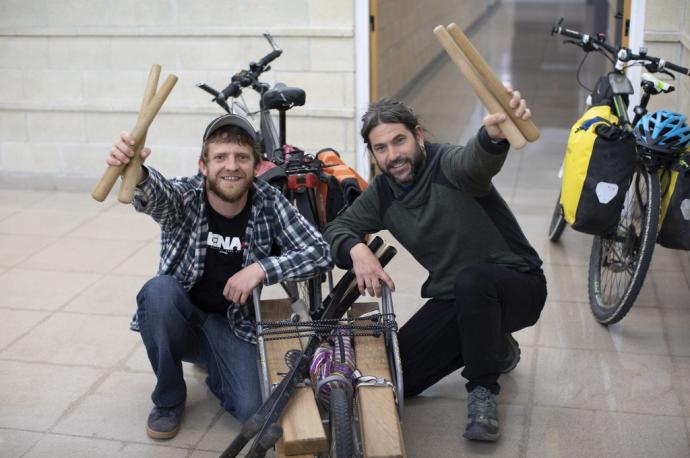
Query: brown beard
point(416, 164)
point(229, 196)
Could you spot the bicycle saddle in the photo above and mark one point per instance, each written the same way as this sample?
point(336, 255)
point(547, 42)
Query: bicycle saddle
point(282, 97)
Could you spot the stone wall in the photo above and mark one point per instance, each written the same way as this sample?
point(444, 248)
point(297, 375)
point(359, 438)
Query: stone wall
point(667, 35)
point(72, 74)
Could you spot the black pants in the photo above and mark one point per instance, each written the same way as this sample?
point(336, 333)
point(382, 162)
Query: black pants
point(444, 335)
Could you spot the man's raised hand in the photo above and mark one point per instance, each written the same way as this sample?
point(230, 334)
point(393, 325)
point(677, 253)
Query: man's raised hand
point(122, 150)
point(491, 121)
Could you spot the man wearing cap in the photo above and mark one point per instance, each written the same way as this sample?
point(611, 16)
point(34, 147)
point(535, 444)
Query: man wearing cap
point(217, 231)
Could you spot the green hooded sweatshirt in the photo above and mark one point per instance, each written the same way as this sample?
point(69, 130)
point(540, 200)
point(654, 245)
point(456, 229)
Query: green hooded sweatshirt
point(451, 217)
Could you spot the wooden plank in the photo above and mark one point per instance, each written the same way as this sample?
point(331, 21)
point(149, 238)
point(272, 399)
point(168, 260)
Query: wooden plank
point(303, 431)
point(378, 413)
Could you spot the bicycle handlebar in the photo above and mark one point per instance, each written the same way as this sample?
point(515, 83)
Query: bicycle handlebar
point(244, 78)
point(591, 43)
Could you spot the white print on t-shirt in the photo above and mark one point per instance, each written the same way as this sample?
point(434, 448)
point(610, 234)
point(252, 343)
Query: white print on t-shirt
point(224, 243)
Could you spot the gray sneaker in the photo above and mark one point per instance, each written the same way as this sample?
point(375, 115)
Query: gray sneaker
point(510, 354)
point(482, 415)
point(164, 423)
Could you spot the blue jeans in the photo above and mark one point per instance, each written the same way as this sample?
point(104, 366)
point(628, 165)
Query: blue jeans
point(174, 330)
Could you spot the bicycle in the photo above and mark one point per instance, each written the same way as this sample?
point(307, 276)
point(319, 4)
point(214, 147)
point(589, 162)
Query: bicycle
point(620, 259)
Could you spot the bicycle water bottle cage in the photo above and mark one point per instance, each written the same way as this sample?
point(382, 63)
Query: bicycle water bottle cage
point(282, 97)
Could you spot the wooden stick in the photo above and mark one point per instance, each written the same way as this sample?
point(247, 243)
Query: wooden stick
point(130, 177)
point(510, 130)
point(103, 187)
point(528, 129)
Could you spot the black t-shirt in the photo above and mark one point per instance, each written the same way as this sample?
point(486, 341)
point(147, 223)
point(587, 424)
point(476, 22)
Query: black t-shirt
point(225, 247)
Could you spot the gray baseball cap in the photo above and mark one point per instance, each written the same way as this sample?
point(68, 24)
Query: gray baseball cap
point(231, 120)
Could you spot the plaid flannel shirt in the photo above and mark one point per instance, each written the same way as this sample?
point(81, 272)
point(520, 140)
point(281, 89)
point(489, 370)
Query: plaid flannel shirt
point(178, 206)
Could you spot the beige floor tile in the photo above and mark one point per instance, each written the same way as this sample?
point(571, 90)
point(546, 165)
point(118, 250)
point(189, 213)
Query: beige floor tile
point(5, 212)
point(15, 443)
point(139, 362)
point(70, 446)
point(67, 338)
point(434, 427)
point(143, 261)
point(614, 382)
point(681, 369)
point(17, 322)
point(666, 259)
point(567, 283)
point(536, 200)
point(118, 227)
point(571, 325)
point(16, 248)
point(49, 224)
point(577, 433)
point(666, 289)
point(41, 289)
point(530, 177)
point(111, 295)
point(84, 255)
point(34, 396)
point(20, 199)
point(221, 433)
point(119, 407)
point(572, 249)
point(72, 202)
point(677, 326)
point(198, 454)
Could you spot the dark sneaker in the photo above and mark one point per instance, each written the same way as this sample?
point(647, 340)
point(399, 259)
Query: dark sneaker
point(482, 415)
point(510, 354)
point(164, 423)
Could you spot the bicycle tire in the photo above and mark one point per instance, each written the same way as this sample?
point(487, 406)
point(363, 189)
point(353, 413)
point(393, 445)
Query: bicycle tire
point(306, 205)
point(340, 424)
point(310, 290)
point(635, 247)
point(558, 222)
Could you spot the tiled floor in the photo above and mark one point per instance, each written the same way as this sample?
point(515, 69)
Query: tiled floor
point(75, 382)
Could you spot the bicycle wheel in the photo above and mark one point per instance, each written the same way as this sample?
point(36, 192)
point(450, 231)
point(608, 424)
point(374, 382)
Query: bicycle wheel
point(557, 221)
point(618, 263)
point(340, 421)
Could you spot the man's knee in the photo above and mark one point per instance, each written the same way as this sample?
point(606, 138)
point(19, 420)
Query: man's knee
point(245, 406)
point(475, 285)
point(161, 297)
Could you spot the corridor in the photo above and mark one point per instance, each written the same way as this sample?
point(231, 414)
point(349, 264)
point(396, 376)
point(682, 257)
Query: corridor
point(75, 382)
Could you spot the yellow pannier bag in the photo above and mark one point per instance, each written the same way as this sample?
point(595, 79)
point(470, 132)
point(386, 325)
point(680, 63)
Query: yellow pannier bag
point(599, 162)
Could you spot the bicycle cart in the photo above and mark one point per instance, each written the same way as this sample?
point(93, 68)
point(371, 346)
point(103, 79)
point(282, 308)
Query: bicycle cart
point(354, 407)
point(621, 255)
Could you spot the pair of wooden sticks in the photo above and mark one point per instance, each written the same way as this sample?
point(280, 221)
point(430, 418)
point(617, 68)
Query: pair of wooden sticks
point(485, 84)
point(150, 106)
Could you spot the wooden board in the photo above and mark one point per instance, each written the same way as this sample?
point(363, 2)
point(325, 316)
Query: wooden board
point(378, 413)
point(303, 432)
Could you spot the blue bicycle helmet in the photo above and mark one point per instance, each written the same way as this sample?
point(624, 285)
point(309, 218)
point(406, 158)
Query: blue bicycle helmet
point(663, 131)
